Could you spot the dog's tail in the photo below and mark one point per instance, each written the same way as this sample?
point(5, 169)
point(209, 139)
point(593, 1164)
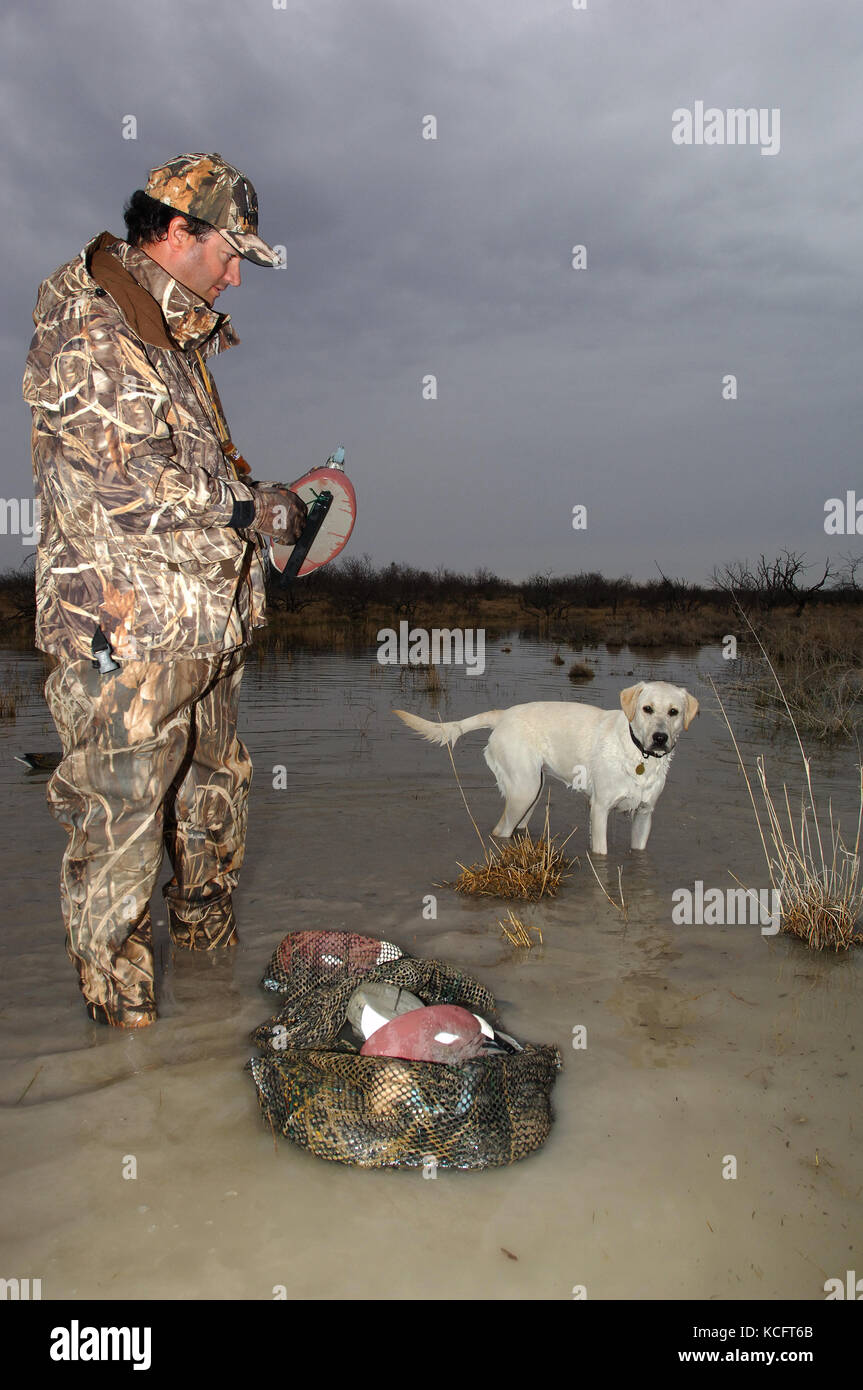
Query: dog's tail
point(448, 733)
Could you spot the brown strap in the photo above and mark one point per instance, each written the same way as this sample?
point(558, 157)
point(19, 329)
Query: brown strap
point(238, 466)
point(210, 388)
point(235, 459)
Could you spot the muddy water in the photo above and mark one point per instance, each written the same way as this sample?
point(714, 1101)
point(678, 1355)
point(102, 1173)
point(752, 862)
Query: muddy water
point(703, 1042)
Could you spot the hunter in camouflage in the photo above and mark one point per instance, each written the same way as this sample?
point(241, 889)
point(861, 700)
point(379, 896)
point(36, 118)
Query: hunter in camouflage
point(150, 537)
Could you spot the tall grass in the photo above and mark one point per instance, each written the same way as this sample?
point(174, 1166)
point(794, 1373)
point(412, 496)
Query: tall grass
point(822, 675)
point(816, 876)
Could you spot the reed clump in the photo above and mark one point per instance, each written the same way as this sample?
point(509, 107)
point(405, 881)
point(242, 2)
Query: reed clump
point(820, 890)
point(815, 874)
point(524, 868)
point(580, 671)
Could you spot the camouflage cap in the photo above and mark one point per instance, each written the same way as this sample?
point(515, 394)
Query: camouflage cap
point(207, 187)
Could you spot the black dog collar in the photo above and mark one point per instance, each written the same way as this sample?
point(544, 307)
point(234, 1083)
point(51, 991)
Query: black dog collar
point(642, 750)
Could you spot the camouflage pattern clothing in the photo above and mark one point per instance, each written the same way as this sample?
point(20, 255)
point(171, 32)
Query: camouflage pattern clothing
point(136, 501)
point(151, 757)
point(134, 491)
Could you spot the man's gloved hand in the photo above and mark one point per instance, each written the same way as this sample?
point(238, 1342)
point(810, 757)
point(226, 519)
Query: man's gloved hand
point(279, 513)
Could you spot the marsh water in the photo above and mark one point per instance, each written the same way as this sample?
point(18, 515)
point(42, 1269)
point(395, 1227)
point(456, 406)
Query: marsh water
point(704, 1042)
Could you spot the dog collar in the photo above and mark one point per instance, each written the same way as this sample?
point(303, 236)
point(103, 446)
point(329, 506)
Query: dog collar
point(642, 750)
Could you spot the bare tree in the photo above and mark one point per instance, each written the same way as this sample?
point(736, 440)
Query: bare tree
point(546, 596)
point(673, 595)
point(353, 585)
point(404, 589)
point(847, 577)
point(770, 583)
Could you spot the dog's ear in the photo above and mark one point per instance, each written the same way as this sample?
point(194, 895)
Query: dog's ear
point(690, 709)
point(629, 700)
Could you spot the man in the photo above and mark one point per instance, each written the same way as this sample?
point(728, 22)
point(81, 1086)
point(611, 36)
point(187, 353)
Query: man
point(149, 574)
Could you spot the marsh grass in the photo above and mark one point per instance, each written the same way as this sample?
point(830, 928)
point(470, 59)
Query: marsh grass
point(822, 675)
point(526, 868)
point(816, 875)
point(580, 671)
point(12, 694)
point(523, 868)
point(621, 906)
point(826, 697)
point(517, 933)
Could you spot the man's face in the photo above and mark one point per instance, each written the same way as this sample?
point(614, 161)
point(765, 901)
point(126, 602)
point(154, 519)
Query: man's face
point(208, 266)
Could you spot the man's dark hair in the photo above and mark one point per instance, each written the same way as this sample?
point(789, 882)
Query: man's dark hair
point(146, 220)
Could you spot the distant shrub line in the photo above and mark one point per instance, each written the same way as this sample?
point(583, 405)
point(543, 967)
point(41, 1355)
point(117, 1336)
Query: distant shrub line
point(351, 587)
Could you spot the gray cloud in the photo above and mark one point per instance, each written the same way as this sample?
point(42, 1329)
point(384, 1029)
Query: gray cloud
point(452, 256)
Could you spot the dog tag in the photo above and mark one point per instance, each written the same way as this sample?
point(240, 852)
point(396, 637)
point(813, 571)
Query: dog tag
point(640, 769)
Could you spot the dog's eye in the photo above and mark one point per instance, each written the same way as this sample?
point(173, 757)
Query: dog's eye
point(674, 711)
point(648, 709)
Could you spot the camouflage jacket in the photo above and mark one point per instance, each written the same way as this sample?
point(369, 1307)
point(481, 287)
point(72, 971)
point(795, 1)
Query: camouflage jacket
point(134, 493)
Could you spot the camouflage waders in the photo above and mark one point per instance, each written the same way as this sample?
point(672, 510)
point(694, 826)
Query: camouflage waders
point(151, 761)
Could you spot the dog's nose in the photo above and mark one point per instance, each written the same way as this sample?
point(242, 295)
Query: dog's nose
point(660, 740)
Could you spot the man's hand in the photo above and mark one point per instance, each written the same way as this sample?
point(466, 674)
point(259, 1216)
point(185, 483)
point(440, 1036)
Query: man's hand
point(279, 513)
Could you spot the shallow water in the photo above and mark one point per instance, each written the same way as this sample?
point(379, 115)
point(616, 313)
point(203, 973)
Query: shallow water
point(702, 1041)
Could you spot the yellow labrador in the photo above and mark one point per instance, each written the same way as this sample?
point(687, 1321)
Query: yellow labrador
point(619, 757)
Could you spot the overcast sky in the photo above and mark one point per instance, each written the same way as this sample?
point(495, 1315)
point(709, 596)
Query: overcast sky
point(453, 257)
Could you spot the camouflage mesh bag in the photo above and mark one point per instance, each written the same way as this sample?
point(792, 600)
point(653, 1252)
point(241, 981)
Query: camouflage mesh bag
point(304, 958)
point(315, 1088)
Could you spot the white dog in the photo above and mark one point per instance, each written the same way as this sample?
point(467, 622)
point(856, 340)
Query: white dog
point(619, 757)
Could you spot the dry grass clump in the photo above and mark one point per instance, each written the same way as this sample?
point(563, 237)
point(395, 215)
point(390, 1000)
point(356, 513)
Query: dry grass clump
point(580, 671)
point(524, 868)
point(822, 915)
point(817, 879)
point(517, 933)
point(820, 894)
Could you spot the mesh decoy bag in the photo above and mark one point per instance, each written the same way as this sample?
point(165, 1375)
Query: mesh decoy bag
point(315, 1088)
